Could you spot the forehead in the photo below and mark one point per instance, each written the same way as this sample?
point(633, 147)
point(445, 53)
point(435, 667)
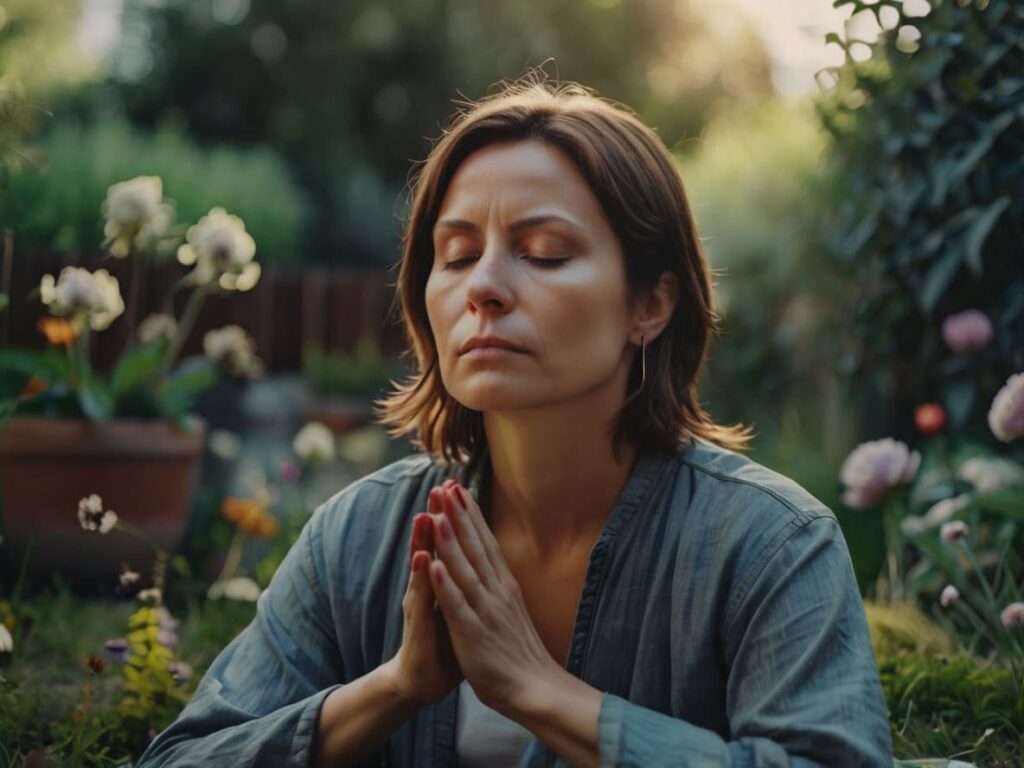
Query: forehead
point(516, 176)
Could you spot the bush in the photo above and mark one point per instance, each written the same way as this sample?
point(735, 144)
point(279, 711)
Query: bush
point(59, 208)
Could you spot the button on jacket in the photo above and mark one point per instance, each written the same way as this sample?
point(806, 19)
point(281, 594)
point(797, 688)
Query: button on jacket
point(719, 617)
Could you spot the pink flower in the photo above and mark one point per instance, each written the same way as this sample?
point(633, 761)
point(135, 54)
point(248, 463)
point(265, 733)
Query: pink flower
point(966, 331)
point(949, 596)
point(954, 531)
point(874, 468)
point(1006, 416)
point(1013, 615)
point(290, 472)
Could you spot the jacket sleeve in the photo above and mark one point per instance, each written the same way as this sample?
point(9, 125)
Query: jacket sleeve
point(803, 686)
point(259, 702)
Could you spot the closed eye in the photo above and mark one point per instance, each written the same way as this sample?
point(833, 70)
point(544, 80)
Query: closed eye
point(535, 260)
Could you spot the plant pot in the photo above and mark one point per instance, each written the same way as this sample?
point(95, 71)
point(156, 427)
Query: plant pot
point(341, 415)
point(146, 471)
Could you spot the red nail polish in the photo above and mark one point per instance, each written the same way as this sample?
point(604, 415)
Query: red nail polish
point(461, 498)
point(439, 575)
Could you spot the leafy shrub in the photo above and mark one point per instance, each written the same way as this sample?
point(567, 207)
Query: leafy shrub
point(59, 208)
point(365, 372)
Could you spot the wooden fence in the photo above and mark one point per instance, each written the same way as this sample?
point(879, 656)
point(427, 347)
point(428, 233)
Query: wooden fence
point(285, 310)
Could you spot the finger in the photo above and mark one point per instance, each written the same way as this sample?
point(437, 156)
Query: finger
point(462, 571)
point(469, 539)
point(468, 509)
point(450, 598)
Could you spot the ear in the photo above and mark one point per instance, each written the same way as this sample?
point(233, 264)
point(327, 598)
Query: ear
point(651, 313)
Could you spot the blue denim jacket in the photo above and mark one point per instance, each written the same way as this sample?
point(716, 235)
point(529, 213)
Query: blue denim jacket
point(719, 617)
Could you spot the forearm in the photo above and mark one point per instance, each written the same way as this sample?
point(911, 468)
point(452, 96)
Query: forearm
point(358, 717)
point(562, 711)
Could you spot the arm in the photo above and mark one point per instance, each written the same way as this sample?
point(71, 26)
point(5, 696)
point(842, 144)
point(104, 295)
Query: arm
point(276, 688)
point(803, 688)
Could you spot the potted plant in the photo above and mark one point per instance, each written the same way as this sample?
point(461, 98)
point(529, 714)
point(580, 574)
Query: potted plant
point(68, 430)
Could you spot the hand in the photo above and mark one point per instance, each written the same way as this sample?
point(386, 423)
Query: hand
point(497, 646)
point(426, 667)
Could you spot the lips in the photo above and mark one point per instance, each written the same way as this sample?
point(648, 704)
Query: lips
point(489, 341)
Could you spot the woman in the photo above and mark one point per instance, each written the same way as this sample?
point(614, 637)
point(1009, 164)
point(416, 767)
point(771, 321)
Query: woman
point(598, 578)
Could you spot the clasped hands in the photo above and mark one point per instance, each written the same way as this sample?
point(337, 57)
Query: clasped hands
point(494, 640)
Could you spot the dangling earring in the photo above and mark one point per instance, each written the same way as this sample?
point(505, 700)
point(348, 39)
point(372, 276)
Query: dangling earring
point(643, 368)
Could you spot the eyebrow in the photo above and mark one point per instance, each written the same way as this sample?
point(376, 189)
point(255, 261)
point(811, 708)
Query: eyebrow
point(516, 226)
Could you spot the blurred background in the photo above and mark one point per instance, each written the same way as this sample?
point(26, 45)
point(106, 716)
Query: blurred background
point(855, 171)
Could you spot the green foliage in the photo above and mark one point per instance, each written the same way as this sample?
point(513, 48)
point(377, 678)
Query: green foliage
point(942, 705)
point(929, 143)
point(60, 207)
point(364, 373)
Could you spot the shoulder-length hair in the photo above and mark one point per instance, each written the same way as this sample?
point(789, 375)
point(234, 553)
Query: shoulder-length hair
point(635, 180)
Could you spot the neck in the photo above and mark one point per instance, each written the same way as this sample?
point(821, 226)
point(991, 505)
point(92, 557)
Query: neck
point(554, 477)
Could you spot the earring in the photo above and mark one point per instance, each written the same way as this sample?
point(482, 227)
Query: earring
point(643, 368)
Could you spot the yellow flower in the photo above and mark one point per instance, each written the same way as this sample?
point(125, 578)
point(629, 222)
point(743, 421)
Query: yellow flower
point(58, 331)
point(251, 516)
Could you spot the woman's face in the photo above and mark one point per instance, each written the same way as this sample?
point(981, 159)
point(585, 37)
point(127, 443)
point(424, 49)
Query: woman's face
point(523, 251)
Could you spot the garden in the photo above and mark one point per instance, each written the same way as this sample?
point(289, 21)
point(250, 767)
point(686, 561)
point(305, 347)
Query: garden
point(200, 215)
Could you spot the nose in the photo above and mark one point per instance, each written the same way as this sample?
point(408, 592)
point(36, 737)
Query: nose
point(488, 287)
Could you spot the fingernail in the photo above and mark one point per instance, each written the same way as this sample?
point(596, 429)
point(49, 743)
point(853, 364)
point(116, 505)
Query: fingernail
point(459, 496)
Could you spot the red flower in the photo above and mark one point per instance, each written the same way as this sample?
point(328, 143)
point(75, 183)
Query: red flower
point(930, 418)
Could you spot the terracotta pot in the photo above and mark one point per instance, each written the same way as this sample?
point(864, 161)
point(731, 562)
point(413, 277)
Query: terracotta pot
point(145, 471)
point(341, 415)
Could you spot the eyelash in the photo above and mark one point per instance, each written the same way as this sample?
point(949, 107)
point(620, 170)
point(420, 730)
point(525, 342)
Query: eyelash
point(542, 263)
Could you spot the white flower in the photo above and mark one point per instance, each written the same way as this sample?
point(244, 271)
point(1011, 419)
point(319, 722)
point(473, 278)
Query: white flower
point(6, 641)
point(953, 531)
point(135, 213)
point(314, 443)
point(966, 331)
point(221, 250)
point(234, 349)
point(1006, 416)
point(150, 595)
point(1013, 615)
point(157, 325)
point(240, 588)
point(224, 445)
point(80, 293)
point(942, 511)
point(949, 596)
point(92, 516)
point(990, 473)
point(874, 468)
point(912, 525)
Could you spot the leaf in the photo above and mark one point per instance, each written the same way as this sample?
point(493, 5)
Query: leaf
point(938, 279)
point(978, 232)
point(95, 400)
point(4, 301)
point(24, 361)
point(136, 366)
point(960, 396)
point(185, 384)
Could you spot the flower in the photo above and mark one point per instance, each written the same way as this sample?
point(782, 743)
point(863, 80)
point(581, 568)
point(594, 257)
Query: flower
point(95, 665)
point(119, 648)
point(290, 472)
point(181, 672)
point(92, 517)
point(1006, 416)
point(135, 212)
point(224, 445)
point(157, 325)
point(1013, 615)
point(929, 418)
point(874, 468)
point(221, 251)
point(953, 531)
point(167, 628)
point(57, 330)
point(234, 349)
point(966, 331)
point(34, 385)
point(83, 294)
point(151, 595)
point(240, 588)
point(127, 582)
point(314, 443)
point(251, 516)
point(6, 641)
point(990, 473)
point(949, 596)
point(942, 511)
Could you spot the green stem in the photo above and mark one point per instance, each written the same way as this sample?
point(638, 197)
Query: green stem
point(894, 547)
point(188, 319)
point(234, 555)
point(131, 530)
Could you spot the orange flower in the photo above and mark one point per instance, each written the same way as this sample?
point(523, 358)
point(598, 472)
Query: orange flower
point(34, 385)
point(58, 331)
point(929, 418)
point(251, 516)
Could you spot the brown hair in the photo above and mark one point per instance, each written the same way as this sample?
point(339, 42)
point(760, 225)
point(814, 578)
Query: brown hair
point(634, 178)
